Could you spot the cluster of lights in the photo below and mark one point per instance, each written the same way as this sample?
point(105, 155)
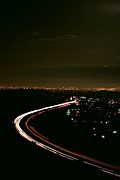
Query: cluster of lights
point(105, 115)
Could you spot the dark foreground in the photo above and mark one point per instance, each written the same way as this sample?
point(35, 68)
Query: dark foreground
point(23, 160)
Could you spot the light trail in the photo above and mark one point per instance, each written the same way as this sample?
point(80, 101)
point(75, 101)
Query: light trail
point(22, 133)
point(46, 144)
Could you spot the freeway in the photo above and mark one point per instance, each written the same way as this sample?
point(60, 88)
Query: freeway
point(45, 142)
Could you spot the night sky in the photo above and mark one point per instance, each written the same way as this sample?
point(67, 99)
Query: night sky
point(57, 43)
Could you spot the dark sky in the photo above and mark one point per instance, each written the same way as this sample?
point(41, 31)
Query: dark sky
point(60, 43)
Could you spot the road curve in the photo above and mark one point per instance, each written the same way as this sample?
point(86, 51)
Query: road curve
point(48, 145)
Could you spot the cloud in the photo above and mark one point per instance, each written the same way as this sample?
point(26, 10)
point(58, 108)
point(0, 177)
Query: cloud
point(117, 58)
point(32, 34)
point(61, 37)
point(70, 36)
point(35, 33)
point(111, 7)
point(36, 37)
point(48, 39)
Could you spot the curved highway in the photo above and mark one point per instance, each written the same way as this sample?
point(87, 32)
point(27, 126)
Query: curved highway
point(33, 136)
